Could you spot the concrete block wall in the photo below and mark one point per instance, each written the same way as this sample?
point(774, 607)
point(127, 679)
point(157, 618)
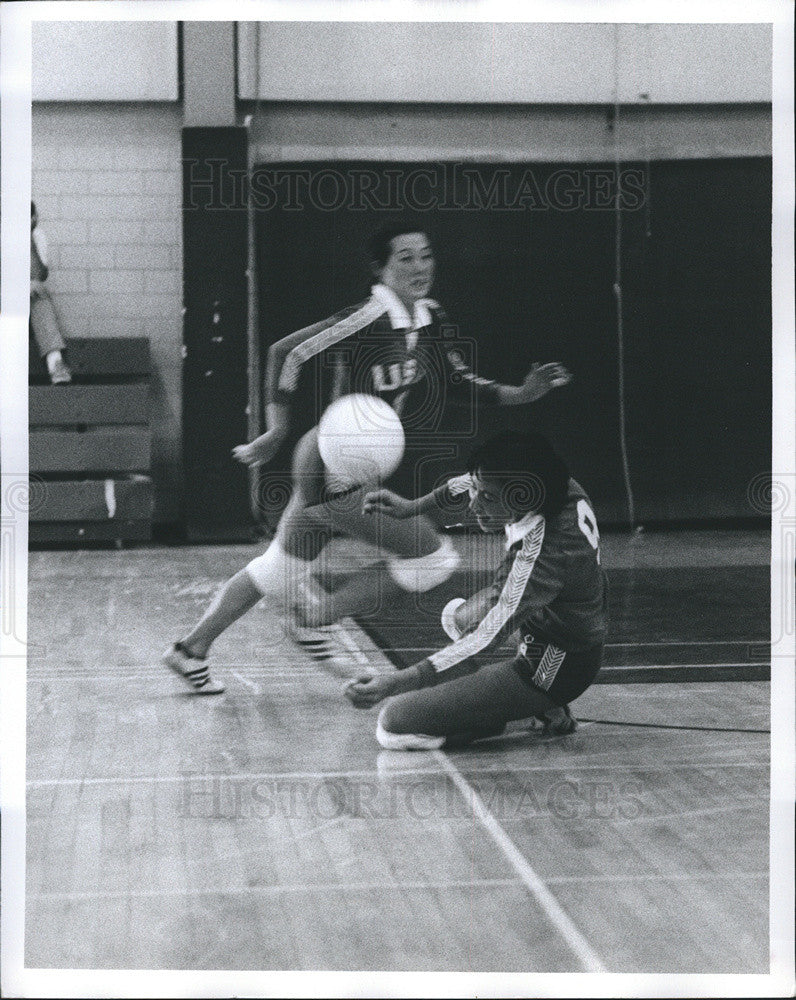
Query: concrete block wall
point(107, 185)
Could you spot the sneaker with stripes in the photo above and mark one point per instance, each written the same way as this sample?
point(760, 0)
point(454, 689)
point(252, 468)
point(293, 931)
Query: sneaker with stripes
point(192, 669)
point(318, 642)
point(327, 645)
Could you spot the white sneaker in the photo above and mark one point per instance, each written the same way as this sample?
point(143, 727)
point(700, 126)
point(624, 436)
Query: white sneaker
point(318, 642)
point(325, 644)
point(193, 670)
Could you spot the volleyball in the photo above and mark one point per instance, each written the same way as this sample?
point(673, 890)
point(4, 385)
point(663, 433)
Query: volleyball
point(361, 440)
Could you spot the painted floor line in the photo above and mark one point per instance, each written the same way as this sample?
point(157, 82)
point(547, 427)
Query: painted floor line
point(553, 910)
point(489, 883)
point(566, 767)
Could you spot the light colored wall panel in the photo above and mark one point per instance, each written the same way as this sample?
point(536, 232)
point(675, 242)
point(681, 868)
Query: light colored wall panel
point(506, 63)
point(695, 63)
point(105, 61)
point(343, 61)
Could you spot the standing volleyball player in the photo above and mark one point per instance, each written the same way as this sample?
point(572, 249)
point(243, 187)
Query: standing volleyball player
point(549, 586)
point(394, 346)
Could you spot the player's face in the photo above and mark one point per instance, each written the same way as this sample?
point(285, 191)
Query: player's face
point(489, 505)
point(409, 270)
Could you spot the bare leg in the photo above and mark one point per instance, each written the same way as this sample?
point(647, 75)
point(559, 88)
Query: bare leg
point(237, 596)
point(44, 324)
point(366, 592)
point(370, 589)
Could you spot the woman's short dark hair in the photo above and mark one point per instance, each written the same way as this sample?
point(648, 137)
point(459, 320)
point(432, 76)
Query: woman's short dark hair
point(533, 476)
point(380, 243)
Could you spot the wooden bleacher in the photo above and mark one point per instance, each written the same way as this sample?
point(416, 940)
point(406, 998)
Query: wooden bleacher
point(90, 442)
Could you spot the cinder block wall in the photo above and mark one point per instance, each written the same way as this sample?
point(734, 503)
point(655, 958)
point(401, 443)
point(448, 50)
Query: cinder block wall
point(107, 184)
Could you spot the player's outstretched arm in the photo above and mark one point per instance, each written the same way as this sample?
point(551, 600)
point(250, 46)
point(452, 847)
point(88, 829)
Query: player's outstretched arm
point(537, 383)
point(389, 503)
point(369, 690)
point(386, 502)
point(263, 448)
point(282, 372)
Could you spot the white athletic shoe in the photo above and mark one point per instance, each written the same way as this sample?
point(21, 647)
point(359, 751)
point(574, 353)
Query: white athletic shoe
point(318, 642)
point(194, 671)
point(324, 644)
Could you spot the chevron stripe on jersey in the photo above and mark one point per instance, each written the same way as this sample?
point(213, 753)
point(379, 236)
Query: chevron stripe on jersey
point(504, 609)
point(546, 672)
point(291, 368)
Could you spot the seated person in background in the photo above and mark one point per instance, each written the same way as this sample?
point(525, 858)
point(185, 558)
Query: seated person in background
point(43, 320)
point(549, 586)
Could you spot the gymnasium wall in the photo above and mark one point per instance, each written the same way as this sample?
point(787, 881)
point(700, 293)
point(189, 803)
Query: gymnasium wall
point(107, 182)
point(538, 63)
point(106, 155)
point(531, 278)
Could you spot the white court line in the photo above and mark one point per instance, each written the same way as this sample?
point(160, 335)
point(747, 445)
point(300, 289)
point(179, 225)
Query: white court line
point(627, 666)
point(566, 767)
point(257, 890)
point(632, 645)
point(487, 883)
point(758, 803)
point(685, 642)
point(305, 669)
point(577, 943)
point(680, 666)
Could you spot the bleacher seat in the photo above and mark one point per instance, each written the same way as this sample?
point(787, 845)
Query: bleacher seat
point(90, 443)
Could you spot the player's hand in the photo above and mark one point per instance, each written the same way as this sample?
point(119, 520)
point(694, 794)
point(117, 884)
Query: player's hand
point(387, 502)
point(369, 690)
point(541, 379)
point(260, 451)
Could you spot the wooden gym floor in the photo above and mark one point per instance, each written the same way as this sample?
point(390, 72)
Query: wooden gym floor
point(265, 829)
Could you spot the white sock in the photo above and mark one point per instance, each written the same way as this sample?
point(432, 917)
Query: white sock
point(53, 358)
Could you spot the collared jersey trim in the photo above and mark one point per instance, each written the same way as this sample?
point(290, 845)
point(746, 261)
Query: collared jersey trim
point(502, 612)
point(399, 316)
point(291, 369)
point(519, 529)
point(516, 531)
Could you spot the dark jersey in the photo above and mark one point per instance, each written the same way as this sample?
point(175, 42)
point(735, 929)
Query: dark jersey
point(415, 364)
point(549, 586)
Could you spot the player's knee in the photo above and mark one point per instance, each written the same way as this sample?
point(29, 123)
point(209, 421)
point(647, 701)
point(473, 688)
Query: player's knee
point(425, 572)
point(394, 731)
point(275, 571)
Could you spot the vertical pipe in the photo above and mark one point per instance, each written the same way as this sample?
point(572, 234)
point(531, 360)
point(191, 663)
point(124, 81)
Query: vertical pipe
point(255, 376)
point(620, 333)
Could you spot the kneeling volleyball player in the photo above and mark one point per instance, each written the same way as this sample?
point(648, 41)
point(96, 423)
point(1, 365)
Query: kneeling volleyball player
point(549, 586)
